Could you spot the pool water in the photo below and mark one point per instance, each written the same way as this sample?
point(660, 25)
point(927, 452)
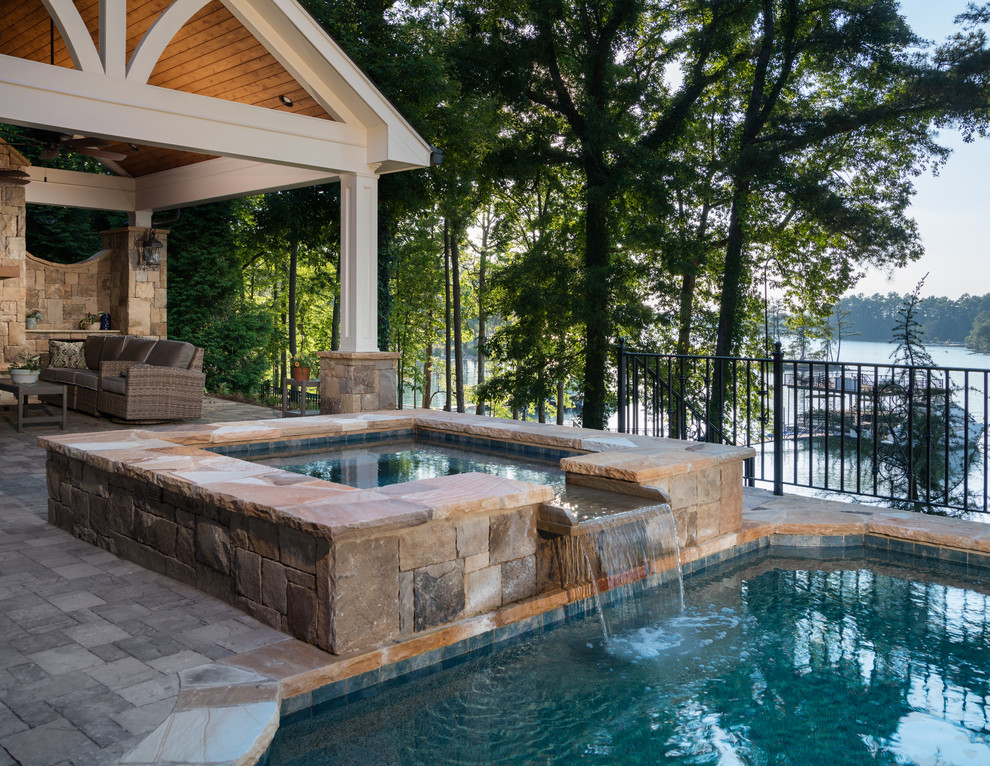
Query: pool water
point(783, 661)
point(393, 463)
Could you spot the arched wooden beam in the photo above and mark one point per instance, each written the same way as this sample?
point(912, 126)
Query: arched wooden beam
point(75, 35)
point(158, 36)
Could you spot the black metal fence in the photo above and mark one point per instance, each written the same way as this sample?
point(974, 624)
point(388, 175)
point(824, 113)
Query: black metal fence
point(273, 395)
point(914, 437)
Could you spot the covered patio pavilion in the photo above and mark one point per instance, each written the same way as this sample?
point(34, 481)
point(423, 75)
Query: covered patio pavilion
point(205, 100)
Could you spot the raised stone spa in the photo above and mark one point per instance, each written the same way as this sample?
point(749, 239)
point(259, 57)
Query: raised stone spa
point(349, 569)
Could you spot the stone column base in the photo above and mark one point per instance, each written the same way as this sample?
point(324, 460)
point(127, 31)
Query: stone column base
point(358, 381)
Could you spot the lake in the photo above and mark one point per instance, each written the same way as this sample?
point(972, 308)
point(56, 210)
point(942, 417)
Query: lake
point(873, 352)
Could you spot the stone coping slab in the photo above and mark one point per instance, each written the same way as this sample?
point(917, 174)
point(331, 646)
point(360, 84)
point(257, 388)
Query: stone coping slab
point(177, 459)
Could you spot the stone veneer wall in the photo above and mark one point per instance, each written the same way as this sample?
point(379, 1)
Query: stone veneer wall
point(349, 569)
point(339, 595)
point(12, 257)
point(65, 293)
point(358, 382)
point(110, 281)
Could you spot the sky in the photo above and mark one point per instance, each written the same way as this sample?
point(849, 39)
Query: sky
point(951, 208)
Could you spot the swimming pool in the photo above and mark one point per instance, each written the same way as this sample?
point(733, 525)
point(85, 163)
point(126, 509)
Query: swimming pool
point(385, 463)
point(778, 661)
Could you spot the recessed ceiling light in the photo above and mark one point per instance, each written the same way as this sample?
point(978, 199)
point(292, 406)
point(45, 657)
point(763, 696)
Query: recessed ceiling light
point(135, 147)
point(285, 100)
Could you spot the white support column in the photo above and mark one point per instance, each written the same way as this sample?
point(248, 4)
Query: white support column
point(139, 218)
point(358, 262)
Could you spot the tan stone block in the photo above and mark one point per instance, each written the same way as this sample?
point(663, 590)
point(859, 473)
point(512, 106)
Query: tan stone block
point(518, 579)
point(369, 402)
point(144, 291)
point(682, 488)
point(329, 387)
point(427, 544)
point(513, 535)
point(350, 403)
point(482, 590)
point(732, 498)
point(709, 484)
point(472, 537)
point(709, 521)
point(365, 605)
point(686, 521)
point(476, 562)
point(364, 378)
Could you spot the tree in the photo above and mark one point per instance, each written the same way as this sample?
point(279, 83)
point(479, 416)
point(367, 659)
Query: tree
point(584, 81)
point(206, 299)
point(979, 337)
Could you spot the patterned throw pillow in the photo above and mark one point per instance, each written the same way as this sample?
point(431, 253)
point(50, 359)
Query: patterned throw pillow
point(66, 353)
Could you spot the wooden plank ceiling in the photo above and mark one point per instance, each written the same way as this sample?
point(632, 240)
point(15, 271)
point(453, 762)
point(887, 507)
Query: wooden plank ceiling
point(212, 55)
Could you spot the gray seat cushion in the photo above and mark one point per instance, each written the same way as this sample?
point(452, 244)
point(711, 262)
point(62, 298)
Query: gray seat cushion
point(115, 385)
point(136, 350)
point(92, 349)
point(87, 379)
point(171, 353)
point(113, 347)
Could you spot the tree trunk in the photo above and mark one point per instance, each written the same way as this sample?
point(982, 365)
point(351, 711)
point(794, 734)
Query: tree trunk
point(335, 325)
point(596, 293)
point(446, 293)
point(293, 266)
point(428, 363)
point(483, 257)
point(386, 240)
point(730, 303)
point(455, 268)
point(686, 310)
point(560, 400)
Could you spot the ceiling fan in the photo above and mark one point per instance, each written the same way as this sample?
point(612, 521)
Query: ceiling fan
point(54, 144)
point(90, 147)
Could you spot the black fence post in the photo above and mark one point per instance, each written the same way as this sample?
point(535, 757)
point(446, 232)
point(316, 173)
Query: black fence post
point(621, 362)
point(778, 419)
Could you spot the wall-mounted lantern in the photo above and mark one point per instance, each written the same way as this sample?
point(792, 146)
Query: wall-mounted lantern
point(151, 252)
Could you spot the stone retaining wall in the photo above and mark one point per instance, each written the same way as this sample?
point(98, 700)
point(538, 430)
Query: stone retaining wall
point(348, 569)
point(339, 595)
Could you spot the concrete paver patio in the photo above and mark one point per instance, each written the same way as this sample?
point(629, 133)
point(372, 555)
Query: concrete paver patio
point(91, 645)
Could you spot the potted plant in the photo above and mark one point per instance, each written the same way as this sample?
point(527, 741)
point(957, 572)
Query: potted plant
point(301, 366)
point(26, 369)
point(90, 322)
point(32, 318)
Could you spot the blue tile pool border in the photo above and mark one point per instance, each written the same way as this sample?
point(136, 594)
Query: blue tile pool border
point(263, 449)
point(876, 548)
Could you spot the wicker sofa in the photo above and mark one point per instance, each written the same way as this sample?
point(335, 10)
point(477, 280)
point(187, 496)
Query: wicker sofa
point(135, 379)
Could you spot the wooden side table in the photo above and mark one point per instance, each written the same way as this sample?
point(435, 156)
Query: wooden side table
point(302, 386)
point(22, 391)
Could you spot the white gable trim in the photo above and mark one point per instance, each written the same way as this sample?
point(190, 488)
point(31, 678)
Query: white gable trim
point(35, 94)
point(75, 35)
point(158, 36)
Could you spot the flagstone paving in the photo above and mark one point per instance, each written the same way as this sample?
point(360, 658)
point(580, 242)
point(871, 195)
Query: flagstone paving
point(90, 645)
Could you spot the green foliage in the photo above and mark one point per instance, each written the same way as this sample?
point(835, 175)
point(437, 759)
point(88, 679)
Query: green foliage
point(979, 337)
point(206, 304)
point(942, 319)
point(909, 334)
